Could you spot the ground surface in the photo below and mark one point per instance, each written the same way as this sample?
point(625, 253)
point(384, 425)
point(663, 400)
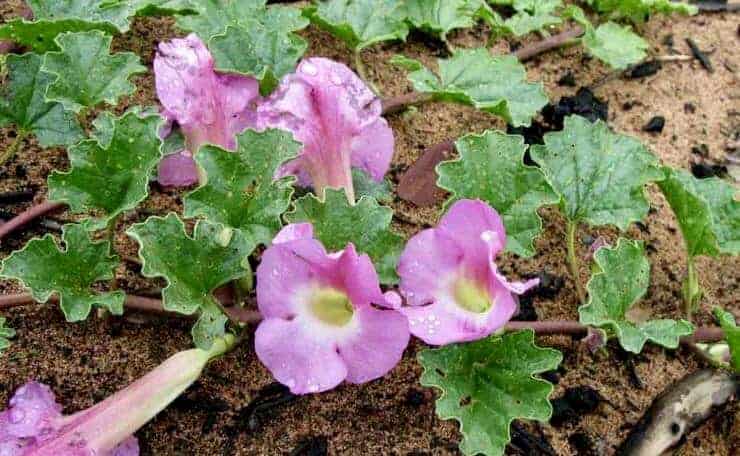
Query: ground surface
point(235, 409)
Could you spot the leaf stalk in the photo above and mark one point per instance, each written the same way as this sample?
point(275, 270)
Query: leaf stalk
point(573, 263)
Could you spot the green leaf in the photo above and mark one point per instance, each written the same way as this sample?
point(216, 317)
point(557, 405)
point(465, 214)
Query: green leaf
point(494, 84)
point(110, 15)
point(616, 45)
point(599, 175)
point(365, 185)
point(247, 37)
point(366, 224)
point(491, 168)
point(5, 334)
point(640, 10)
point(110, 172)
point(707, 210)
point(406, 63)
point(71, 272)
point(193, 267)
point(621, 278)
point(23, 105)
point(40, 35)
point(489, 383)
point(240, 192)
point(732, 335)
point(439, 17)
point(86, 73)
point(361, 23)
point(532, 15)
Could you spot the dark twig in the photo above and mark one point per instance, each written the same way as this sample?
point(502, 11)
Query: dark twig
point(717, 7)
point(28, 216)
point(395, 104)
point(22, 196)
point(700, 55)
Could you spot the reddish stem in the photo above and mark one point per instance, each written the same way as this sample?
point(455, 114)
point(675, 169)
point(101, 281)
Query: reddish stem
point(396, 104)
point(28, 216)
point(246, 316)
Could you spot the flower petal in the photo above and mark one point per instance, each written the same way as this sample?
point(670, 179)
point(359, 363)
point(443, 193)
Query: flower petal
point(129, 447)
point(178, 170)
point(336, 117)
point(303, 363)
point(470, 221)
point(33, 412)
point(287, 271)
point(378, 345)
point(294, 232)
point(444, 322)
point(427, 257)
point(357, 277)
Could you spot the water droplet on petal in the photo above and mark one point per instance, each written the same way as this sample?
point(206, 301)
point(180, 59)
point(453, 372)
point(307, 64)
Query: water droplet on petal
point(309, 68)
point(335, 79)
point(17, 415)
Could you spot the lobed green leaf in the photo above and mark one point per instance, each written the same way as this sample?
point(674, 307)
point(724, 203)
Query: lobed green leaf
point(439, 17)
point(491, 168)
point(496, 84)
point(621, 278)
point(707, 211)
point(366, 224)
point(70, 272)
point(529, 16)
point(240, 191)
point(640, 10)
point(600, 176)
point(361, 23)
point(248, 37)
point(23, 104)
point(489, 383)
point(193, 267)
point(85, 73)
point(110, 172)
point(616, 45)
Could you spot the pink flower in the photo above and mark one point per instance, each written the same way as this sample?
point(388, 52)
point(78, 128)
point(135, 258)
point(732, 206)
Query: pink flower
point(34, 420)
point(320, 326)
point(451, 284)
point(33, 425)
point(209, 107)
point(337, 118)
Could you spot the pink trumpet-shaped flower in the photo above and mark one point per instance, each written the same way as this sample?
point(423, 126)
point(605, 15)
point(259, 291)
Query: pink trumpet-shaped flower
point(208, 106)
point(451, 284)
point(33, 424)
point(320, 326)
point(337, 118)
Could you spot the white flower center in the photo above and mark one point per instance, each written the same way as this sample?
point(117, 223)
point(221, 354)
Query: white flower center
point(331, 306)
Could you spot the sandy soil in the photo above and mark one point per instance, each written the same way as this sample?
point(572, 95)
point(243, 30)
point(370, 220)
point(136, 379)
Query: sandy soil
point(236, 409)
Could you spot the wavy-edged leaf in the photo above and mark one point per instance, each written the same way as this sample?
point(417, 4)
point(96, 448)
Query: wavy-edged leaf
point(23, 105)
point(69, 272)
point(707, 211)
point(39, 35)
point(365, 185)
point(193, 267)
point(248, 37)
point(240, 191)
point(496, 84)
point(640, 10)
point(6, 333)
point(361, 23)
point(621, 278)
point(85, 73)
point(110, 172)
point(366, 224)
point(732, 335)
point(599, 175)
point(616, 45)
point(491, 168)
point(489, 383)
point(439, 17)
point(529, 16)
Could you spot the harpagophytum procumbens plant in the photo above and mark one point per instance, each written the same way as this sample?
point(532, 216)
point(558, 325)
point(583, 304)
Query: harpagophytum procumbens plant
point(338, 292)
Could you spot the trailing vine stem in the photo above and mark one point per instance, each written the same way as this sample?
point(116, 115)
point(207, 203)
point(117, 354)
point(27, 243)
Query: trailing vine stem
point(691, 289)
point(573, 263)
point(246, 316)
point(28, 216)
point(362, 71)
